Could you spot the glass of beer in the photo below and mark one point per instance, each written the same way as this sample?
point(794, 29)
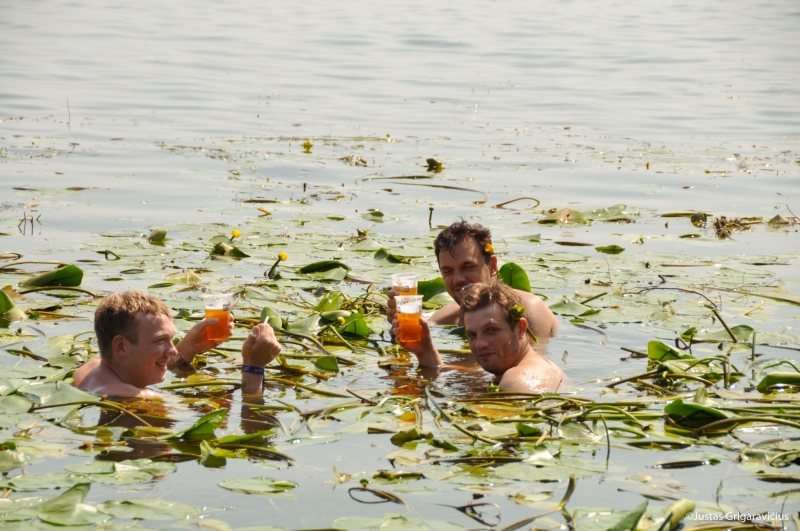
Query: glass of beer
point(405, 283)
point(409, 312)
point(218, 306)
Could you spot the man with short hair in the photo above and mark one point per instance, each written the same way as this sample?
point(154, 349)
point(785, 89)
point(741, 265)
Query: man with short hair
point(497, 332)
point(465, 257)
point(134, 333)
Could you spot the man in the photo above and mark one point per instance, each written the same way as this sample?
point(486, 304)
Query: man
point(134, 333)
point(497, 333)
point(465, 257)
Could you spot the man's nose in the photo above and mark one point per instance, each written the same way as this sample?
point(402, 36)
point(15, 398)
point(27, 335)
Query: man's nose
point(173, 350)
point(458, 276)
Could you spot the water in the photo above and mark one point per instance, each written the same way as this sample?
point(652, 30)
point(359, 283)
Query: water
point(172, 114)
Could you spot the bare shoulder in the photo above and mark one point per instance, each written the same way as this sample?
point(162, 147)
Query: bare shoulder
point(82, 371)
point(102, 382)
point(447, 314)
point(540, 317)
point(534, 373)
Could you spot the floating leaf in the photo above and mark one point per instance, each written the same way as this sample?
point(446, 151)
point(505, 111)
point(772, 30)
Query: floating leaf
point(399, 439)
point(327, 363)
point(157, 236)
point(68, 509)
point(260, 485)
point(383, 254)
point(692, 415)
point(224, 249)
point(8, 310)
point(330, 302)
point(429, 288)
point(308, 325)
point(565, 216)
point(149, 509)
point(778, 378)
point(325, 265)
point(742, 333)
point(513, 275)
point(204, 427)
point(609, 249)
point(271, 317)
point(44, 481)
point(569, 307)
point(631, 520)
point(69, 275)
point(656, 350)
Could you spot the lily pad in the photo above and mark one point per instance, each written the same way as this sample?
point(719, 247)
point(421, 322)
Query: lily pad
point(149, 509)
point(513, 275)
point(68, 275)
point(258, 485)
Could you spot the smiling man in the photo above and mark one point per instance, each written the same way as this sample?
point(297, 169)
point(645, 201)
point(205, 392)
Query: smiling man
point(466, 257)
point(134, 333)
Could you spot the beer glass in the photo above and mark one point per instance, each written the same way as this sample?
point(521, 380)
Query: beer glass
point(405, 283)
point(409, 312)
point(218, 306)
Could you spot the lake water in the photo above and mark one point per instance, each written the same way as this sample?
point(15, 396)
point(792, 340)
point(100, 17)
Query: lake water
point(167, 115)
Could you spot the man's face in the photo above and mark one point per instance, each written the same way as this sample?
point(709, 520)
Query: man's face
point(463, 265)
point(145, 362)
point(497, 346)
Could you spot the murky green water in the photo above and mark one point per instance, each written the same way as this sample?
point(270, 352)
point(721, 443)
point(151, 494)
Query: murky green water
point(193, 117)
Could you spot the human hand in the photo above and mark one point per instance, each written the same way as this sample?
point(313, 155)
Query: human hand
point(195, 340)
point(424, 349)
point(391, 312)
point(261, 346)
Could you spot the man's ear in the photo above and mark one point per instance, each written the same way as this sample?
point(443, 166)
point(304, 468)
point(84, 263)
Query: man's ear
point(522, 328)
point(118, 347)
point(493, 265)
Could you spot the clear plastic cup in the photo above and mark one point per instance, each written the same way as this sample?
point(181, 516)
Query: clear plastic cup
point(405, 283)
point(219, 306)
point(409, 312)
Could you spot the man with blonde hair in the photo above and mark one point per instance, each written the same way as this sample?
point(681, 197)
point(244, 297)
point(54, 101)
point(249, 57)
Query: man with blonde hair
point(134, 333)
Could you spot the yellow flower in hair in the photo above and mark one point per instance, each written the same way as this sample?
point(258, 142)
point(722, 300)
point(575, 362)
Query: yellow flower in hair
point(282, 257)
point(517, 312)
point(488, 248)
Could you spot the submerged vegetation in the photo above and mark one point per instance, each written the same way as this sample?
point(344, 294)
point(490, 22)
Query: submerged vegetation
point(697, 414)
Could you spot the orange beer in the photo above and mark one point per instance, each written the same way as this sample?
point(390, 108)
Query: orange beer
point(219, 330)
point(409, 312)
point(405, 290)
point(405, 283)
point(410, 329)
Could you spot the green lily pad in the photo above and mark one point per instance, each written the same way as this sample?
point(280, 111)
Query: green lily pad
point(565, 216)
point(149, 509)
point(693, 415)
point(430, 288)
point(262, 485)
point(327, 363)
point(203, 428)
point(68, 509)
point(69, 275)
point(609, 249)
point(513, 275)
point(8, 310)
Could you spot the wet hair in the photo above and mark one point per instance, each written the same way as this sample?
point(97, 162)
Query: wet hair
point(459, 232)
point(479, 296)
point(116, 316)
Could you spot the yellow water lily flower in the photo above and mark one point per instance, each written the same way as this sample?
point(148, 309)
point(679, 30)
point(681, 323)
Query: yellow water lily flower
point(341, 321)
point(235, 233)
point(282, 257)
point(488, 248)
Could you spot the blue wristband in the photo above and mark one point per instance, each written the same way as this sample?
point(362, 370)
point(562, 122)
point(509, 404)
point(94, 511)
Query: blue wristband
point(253, 369)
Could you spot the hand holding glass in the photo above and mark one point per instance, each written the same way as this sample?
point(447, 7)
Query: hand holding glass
point(218, 306)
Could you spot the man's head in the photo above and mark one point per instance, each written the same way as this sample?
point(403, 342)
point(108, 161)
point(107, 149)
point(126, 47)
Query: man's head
point(134, 332)
point(462, 256)
point(497, 339)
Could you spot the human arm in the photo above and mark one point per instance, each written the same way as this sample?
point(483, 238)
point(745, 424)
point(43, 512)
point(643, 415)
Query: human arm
point(259, 349)
point(195, 342)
